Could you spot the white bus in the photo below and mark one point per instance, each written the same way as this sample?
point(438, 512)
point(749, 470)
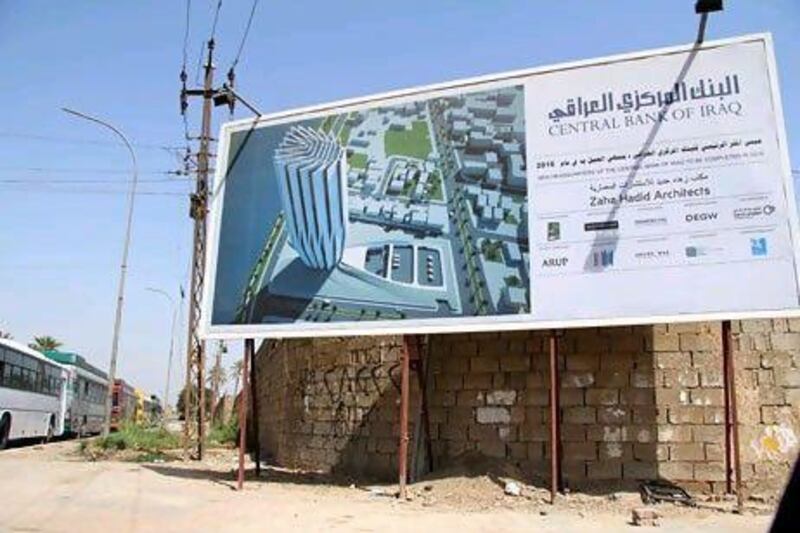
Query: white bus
point(32, 394)
point(87, 387)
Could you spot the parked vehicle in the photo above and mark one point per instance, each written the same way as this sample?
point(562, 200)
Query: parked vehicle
point(33, 396)
point(87, 387)
point(123, 403)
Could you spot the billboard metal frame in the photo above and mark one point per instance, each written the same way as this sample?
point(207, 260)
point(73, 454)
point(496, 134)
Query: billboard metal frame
point(480, 323)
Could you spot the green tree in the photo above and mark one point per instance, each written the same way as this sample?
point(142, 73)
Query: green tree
point(45, 343)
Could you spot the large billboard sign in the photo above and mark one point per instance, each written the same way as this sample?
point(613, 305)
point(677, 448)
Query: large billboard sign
point(648, 187)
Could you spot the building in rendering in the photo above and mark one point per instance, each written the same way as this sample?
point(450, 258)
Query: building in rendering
point(311, 169)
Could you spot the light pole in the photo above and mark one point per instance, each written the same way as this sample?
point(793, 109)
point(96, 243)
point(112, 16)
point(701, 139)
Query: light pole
point(112, 367)
point(171, 344)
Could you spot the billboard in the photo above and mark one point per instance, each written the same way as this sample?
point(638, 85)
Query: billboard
point(640, 188)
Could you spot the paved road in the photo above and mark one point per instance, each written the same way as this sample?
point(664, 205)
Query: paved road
point(48, 489)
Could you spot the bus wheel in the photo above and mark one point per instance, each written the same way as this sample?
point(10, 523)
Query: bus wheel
point(5, 429)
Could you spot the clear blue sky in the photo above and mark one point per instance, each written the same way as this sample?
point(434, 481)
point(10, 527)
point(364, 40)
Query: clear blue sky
point(60, 244)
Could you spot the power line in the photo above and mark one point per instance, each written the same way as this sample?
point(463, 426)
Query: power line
point(216, 19)
point(74, 140)
point(71, 181)
point(245, 34)
point(210, 38)
point(62, 170)
point(186, 32)
point(95, 191)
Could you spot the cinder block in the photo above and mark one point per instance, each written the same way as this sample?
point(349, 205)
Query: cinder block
point(709, 471)
point(577, 379)
point(493, 415)
point(602, 396)
point(671, 359)
point(673, 433)
point(484, 363)
point(785, 341)
point(571, 397)
point(477, 381)
point(515, 362)
point(501, 397)
point(580, 415)
point(789, 377)
point(708, 433)
point(469, 398)
point(492, 448)
point(607, 469)
point(690, 451)
point(637, 397)
point(662, 342)
point(707, 397)
point(580, 450)
point(676, 470)
point(583, 361)
point(612, 379)
point(639, 470)
point(612, 415)
point(685, 415)
point(699, 342)
point(452, 382)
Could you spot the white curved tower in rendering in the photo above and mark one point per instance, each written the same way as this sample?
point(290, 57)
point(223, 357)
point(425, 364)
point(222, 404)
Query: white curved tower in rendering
point(311, 169)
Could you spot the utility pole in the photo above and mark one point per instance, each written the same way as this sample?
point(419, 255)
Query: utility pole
point(112, 367)
point(195, 404)
point(194, 407)
point(217, 378)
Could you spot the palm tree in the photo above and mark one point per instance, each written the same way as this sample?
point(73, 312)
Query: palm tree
point(45, 343)
point(236, 370)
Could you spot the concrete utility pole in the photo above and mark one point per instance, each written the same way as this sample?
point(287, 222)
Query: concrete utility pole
point(195, 352)
point(171, 345)
point(217, 378)
point(112, 367)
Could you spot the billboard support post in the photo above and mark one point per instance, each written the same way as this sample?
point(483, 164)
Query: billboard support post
point(419, 364)
point(254, 409)
point(248, 352)
point(733, 466)
point(555, 425)
point(402, 454)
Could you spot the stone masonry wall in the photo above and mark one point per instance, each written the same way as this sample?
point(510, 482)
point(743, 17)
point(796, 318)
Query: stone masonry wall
point(636, 403)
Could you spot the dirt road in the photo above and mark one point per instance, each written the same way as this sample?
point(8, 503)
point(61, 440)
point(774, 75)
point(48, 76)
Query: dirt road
point(49, 488)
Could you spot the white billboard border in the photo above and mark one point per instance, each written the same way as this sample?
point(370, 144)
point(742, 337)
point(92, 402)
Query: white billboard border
point(488, 322)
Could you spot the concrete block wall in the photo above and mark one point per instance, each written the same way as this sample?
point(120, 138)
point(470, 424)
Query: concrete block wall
point(636, 403)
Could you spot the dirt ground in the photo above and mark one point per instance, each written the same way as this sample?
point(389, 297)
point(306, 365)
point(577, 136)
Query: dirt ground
point(52, 488)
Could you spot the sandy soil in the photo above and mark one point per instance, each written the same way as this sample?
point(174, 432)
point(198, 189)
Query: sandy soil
point(52, 488)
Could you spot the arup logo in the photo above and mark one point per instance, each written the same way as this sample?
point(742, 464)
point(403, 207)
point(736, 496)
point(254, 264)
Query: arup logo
point(603, 258)
point(758, 246)
point(700, 217)
point(555, 262)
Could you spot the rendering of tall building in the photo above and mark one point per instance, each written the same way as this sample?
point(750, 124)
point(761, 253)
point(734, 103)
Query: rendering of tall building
point(311, 170)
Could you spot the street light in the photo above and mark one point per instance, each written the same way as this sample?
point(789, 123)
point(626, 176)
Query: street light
point(112, 367)
point(171, 343)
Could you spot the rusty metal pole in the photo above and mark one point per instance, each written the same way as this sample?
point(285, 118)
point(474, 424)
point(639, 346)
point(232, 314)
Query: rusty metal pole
point(555, 429)
point(402, 452)
point(248, 351)
point(727, 402)
point(254, 408)
point(732, 417)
